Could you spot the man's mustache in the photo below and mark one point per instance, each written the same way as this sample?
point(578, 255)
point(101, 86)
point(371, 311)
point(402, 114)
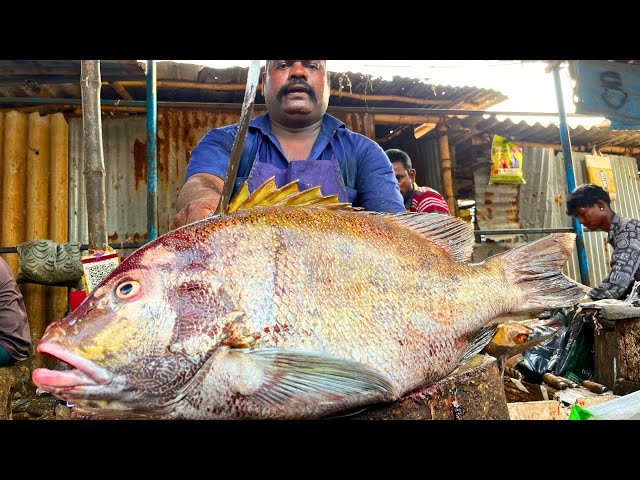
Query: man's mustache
point(297, 84)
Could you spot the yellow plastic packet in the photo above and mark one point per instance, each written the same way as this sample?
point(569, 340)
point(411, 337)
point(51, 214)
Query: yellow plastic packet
point(506, 162)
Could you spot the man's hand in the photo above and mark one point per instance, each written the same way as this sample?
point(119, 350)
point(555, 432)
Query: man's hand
point(585, 299)
point(193, 212)
point(199, 195)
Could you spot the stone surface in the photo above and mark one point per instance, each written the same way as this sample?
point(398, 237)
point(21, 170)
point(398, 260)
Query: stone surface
point(13, 379)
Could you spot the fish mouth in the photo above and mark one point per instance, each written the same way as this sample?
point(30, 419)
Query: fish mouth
point(84, 373)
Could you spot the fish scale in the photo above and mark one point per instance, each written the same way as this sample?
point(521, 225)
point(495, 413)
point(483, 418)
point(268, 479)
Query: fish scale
point(293, 312)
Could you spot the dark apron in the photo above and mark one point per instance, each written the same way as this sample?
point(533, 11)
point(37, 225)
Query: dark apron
point(309, 173)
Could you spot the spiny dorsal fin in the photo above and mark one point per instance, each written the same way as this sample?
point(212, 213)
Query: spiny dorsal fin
point(450, 233)
point(290, 194)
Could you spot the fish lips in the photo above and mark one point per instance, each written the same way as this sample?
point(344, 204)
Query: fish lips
point(85, 373)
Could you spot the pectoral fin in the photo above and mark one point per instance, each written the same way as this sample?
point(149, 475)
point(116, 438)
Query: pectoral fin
point(283, 378)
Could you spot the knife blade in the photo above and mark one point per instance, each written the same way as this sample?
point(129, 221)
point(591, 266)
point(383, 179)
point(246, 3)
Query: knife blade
point(253, 77)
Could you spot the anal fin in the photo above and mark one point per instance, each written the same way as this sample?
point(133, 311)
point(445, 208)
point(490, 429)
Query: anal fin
point(479, 339)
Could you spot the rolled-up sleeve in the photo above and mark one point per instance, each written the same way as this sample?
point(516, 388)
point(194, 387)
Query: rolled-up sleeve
point(376, 182)
point(625, 263)
point(212, 153)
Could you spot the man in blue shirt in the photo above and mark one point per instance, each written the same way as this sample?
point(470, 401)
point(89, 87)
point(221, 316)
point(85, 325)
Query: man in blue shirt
point(294, 140)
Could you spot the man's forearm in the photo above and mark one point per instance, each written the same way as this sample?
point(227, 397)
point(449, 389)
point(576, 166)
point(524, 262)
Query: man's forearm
point(199, 196)
point(199, 187)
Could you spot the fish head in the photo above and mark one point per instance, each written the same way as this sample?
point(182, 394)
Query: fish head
point(138, 341)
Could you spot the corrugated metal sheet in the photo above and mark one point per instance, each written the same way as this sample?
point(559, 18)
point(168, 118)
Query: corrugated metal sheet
point(33, 162)
point(541, 199)
point(125, 158)
point(427, 165)
point(627, 204)
point(463, 128)
point(61, 79)
point(496, 204)
point(124, 146)
point(542, 202)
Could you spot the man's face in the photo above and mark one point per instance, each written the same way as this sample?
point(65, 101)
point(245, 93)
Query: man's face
point(296, 91)
point(405, 179)
point(592, 217)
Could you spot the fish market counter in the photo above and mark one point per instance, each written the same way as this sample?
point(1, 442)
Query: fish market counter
point(617, 348)
point(474, 391)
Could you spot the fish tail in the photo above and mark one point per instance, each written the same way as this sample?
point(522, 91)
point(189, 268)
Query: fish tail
point(536, 271)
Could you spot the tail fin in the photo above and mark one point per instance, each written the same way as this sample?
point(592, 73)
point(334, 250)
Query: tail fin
point(535, 269)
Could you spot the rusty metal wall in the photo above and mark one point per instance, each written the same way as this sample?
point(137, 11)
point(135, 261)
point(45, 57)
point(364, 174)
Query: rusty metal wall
point(496, 204)
point(33, 164)
point(626, 204)
point(125, 158)
point(542, 202)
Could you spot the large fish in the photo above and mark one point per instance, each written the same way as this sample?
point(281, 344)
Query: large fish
point(292, 311)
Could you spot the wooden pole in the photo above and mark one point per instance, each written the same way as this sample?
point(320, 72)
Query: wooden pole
point(445, 163)
point(336, 93)
point(37, 221)
point(407, 119)
point(370, 126)
point(14, 184)
point(94, 170)
point(58, 218)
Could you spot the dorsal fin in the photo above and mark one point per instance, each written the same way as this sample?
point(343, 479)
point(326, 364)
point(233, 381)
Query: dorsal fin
point(290, 194)
point(450, 233)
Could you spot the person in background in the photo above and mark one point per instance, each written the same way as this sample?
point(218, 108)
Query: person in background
point(591, 205)
point(295, 140)
point(15, 336)
point(416, 199)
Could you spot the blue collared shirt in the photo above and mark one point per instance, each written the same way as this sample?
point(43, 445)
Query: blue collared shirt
point(366, 170)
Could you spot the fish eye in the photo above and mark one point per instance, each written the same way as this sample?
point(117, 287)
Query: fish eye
point(128, 290)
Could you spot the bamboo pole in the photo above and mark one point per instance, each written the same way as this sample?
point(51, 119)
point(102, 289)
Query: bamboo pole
point(370, 126)
point(445, 163)
point(14, 184)
point(406, 119)
point(37, 221)
point(117, 86)
point(94, 170)
point(58, 218)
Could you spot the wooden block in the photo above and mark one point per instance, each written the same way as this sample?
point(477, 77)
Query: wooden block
point(629, 349)
point(617, 312)
point(606, 357)
point(540, 410)
point(585, 402)
point(624, 386)
point(472, 392)
point(617, 351)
